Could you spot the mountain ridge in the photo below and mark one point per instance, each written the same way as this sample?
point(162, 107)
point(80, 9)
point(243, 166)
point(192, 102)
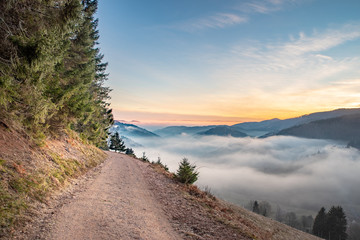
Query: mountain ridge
point(223, 131)
point(276, 124)
point(343, 128)
point(179, 130)
point(131, 130)
point(264, 128)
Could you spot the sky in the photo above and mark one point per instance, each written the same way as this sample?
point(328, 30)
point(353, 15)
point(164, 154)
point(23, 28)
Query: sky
point(202, 62)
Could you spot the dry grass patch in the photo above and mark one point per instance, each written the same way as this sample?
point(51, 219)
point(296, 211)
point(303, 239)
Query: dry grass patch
point(29, 174)
point(197, 213)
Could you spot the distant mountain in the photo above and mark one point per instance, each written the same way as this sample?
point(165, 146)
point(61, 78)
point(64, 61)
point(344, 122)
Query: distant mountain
point(130, 143)
point(130, 130)
point(275, 125)
point(255, 129)
point(267, 125)
point(345, 128)
point(179, 130)
point(223, 131)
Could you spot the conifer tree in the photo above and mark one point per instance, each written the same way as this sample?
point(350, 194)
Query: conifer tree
point(336, 223)
point(116, 143)
point(331, 225)
point(186, 172)
point(35, 35)
point(51, 72)
point(319, 227)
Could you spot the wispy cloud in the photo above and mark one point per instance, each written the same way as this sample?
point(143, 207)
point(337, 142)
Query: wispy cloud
point(260, 79)
point(259, 7)
point(338, 94)
point(219, 20)
point(241, 14)
point(321, 41)
point(299, 59)
point(263, 7)
point(278, 73)
point(297, 50)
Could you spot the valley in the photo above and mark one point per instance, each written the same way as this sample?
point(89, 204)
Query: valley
point(288, 169)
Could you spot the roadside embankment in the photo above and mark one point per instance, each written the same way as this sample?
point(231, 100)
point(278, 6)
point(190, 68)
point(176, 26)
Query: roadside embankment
point(31, 174)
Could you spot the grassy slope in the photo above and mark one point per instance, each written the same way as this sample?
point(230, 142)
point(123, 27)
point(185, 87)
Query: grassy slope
point(29, 174)
point(247, 224)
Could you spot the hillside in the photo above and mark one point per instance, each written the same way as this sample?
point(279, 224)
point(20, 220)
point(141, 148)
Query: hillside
point(179, 130)
point(223, 131)
point(275, 125)
point(149, 204)
point(54, 109)
point(31, 175)
point(51, 71)
point(345, 128)
point(130, 130)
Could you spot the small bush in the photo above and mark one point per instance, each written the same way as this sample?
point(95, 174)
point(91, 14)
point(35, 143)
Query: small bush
point(129, 151)
point(144, 158)
point(187, 172)
point(158, 162)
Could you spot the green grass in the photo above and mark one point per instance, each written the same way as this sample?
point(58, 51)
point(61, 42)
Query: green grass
point(2, 162)
point(12, 199)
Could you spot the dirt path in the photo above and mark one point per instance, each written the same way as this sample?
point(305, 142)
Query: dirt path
point(124, 198)
point(117, 204)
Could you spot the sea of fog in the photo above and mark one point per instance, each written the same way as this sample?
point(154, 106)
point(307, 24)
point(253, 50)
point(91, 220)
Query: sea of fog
point(294, 173)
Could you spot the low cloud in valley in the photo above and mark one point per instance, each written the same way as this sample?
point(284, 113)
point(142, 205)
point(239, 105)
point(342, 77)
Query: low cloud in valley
point(289, 171)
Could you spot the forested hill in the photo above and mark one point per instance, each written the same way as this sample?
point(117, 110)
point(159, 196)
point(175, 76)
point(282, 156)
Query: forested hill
point(51, 71)
point(345, 128)
point(53, 103)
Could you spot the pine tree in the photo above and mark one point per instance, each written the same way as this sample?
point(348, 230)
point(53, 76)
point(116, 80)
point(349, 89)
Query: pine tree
point(320, 227)
point(33, 40)
point(116, 143)
point(336, 223)
point(51, 72)
point(186, 172)
point(331, 225)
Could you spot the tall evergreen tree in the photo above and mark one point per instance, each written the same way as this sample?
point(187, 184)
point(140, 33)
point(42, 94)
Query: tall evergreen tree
point(319, 227)
point(51, 72)
point(336, 223)
point(37, 34)
point(116, 143)
point(331, 225)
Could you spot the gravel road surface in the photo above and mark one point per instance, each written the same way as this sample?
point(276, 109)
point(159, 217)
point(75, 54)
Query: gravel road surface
point(116, 204)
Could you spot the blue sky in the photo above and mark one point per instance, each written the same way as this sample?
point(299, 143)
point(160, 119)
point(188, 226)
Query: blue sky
point(195, 62)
